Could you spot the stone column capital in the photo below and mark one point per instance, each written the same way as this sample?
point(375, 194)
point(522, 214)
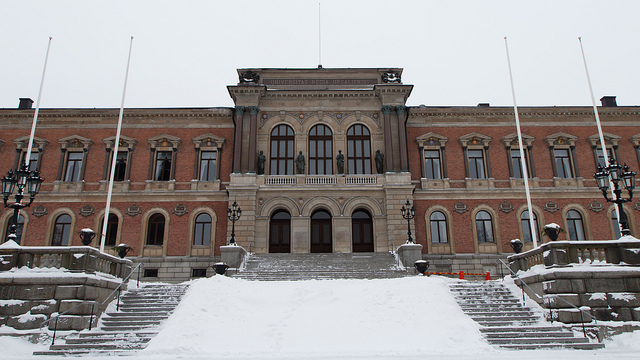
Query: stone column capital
point(240, 110)
point(253, 110)
point(400, 109)
point(386, 109)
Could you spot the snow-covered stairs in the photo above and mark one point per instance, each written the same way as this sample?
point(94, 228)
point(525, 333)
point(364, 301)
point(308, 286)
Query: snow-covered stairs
point(127, 330)
point(266, 267)
point(507, 323)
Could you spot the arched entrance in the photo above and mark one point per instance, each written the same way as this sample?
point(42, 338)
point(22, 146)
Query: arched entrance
point(280, 232)
point(321, 237)
point(362, 231)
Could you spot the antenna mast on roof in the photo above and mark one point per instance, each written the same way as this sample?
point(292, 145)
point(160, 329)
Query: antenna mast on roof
point(319, 39)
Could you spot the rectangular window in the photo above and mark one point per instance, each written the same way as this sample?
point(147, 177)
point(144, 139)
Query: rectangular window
point(563, 163)
point(516, 164)
point(121, 166)
point(208, 165)
point(601, 157)
point(432, 164)
point(163, 166)
point(476, 164)
point(33, 160)
point(74, 163)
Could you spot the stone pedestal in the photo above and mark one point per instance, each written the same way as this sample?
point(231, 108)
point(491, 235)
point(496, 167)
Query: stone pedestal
point(233, 255)
point(409, 254)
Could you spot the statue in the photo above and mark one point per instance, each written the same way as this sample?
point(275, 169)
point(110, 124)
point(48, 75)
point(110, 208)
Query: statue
point(340, 161)
point(300, 163)
point(379, 159)
point(261, 160)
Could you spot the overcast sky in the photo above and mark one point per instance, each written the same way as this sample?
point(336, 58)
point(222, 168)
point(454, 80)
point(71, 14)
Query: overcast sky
point(185, 53)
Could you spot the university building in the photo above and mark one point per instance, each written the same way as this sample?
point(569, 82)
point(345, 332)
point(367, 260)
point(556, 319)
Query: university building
point(320, 161)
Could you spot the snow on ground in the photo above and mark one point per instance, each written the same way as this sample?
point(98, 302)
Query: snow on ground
point(407, 319)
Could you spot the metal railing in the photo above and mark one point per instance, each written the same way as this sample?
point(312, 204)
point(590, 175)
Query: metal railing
point(549, 296)
point(108, 298)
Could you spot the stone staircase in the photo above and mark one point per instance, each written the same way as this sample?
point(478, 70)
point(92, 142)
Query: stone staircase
point(507, 323)
point(128, 330)
point(292, 267)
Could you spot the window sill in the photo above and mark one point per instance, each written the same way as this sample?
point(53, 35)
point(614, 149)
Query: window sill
point(197, 185)
point(118, 186)
point(428, 184)
point(568, 182)
point(151, 185)
point(489, 183)
point(519, 183)
point(68, 186)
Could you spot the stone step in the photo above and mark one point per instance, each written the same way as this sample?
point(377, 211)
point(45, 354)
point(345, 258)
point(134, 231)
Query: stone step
point(520, 329)
point(538, 340)
point(528, 334)
point(82, 352)
point(585, 346)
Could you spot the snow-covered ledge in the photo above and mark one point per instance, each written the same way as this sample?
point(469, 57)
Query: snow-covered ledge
point(233, 255)
point(409, 254)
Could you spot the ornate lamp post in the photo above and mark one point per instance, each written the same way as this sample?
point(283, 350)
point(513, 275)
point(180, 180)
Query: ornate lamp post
point(22, 178)
point(408, 214)
point(233, 213)
point(615, 173)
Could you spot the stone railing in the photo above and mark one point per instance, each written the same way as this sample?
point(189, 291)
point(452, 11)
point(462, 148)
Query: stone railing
point(319, 180)
point(562, 253)
point(75, 258)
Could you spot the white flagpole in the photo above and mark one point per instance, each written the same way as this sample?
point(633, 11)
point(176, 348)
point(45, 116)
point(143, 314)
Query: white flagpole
point(27, 157)
point(114, 155)
point(319, 38)
point(600, 133)
point(523, 159)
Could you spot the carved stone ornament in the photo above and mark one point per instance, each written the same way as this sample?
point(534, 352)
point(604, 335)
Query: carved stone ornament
point(460, 207)
point(551, 207)
point(249, 77)
point(39, 211)
point(87, 210)
point(134, 210)
point(341, 201)
point(596, 206)
point(391, 77)
point(636, 205)
point(506, 207)
point(180, 209)
point(301, 201)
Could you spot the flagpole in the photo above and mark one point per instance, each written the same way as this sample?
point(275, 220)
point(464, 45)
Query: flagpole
point(525, 172)
point(599, 126)
point(27, 157)
point(114, 155)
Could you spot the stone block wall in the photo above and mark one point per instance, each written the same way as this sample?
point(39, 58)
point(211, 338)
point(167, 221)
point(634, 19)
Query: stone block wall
point(469, 263)
point(174, 269)
point(26, 302)
point(606, 293)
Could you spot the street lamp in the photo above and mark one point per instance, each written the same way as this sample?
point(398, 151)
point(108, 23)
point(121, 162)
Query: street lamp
point(21, 178)
point(408, 214)
point(233, 213)
point(615, 173)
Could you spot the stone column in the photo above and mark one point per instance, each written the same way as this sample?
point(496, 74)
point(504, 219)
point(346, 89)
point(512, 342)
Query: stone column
point(253, 137)
point(388, 147)
point(402, 133)
point(237, 144)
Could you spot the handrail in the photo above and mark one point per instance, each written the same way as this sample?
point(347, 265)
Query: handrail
point(100, 304)
point(552, 295)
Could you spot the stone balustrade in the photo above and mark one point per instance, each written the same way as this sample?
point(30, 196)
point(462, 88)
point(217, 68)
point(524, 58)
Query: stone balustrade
point(561, 253)
point(319, 180)
point(74, 258)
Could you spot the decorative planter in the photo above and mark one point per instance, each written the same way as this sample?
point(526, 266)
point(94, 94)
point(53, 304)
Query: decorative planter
point(123, 250)
point(220, 268)
point(516, 245)
point(86, 236)
point(421, 266)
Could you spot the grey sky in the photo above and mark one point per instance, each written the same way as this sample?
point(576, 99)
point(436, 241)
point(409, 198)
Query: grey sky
point(186, 52)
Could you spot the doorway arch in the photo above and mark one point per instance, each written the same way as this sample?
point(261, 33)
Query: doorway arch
point(280, 232)
point(362, 231)
point(321, 235)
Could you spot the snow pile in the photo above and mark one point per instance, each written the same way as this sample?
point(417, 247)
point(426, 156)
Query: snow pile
point(223, 317)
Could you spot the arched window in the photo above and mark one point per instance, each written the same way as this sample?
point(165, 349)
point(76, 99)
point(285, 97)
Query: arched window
point(280, 232)
point(61, 231)
point(202, 230)
point(616, 225)
point(362, 231)
point(282, 150)
point(484, 227)
point(575, 225)
point(438, 222)
point(320, 150)
point(358, 150)
point(19, 227)
point(525, 222)
point(112, 230)
point(155, 230)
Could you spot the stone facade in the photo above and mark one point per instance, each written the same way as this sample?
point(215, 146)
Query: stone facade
point(455, 165)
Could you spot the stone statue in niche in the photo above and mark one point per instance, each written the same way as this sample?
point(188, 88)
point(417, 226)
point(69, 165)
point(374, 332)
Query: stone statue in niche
point(300, 163)
point(379, 159)
point(260, 164)
point(340, 162)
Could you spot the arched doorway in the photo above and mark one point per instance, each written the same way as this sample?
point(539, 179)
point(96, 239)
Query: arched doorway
point(321, 237)
point(362, 231)
point(280, 232)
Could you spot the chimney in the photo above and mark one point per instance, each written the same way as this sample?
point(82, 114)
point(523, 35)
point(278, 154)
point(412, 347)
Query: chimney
point(608, 101)
point(25, 103)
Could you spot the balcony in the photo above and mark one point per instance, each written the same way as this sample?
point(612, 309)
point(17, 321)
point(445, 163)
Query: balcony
point(320, 180)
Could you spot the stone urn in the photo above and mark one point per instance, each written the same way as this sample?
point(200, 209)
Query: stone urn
point(220, 268)
point(86, 236)
point(123, 250)
point(421, 266)
point(516, 245)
